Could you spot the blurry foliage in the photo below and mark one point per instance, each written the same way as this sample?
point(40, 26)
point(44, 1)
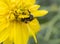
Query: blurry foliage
point(50, 24)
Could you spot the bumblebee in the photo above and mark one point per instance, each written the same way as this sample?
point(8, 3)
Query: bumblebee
point(26, 20)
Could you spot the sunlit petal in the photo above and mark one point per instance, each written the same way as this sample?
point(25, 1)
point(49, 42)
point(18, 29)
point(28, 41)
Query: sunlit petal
point(39, 13)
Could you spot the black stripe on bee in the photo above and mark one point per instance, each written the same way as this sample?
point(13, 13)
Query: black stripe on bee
point(26, 20)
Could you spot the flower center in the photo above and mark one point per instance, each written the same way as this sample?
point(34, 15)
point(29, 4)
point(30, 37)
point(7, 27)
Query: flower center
point(22, 15)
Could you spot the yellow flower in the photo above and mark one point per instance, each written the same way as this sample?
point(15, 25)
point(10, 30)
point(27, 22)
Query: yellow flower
point(18, 20)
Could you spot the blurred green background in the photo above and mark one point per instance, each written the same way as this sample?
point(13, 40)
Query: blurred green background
point(50, 24)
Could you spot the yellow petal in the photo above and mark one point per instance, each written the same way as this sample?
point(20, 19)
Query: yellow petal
point(4, 23)
point(3, 8)
point(20, 33)
point(3, 28)
point(4, 35)
point(11, 31)
point(29, 2)
point(15, 1)
point(39, 13)
point(34, 25)
point(7, 41)
point(34, 8)
point(12, 3)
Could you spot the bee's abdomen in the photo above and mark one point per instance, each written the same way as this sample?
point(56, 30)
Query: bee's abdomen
point(26, 20)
